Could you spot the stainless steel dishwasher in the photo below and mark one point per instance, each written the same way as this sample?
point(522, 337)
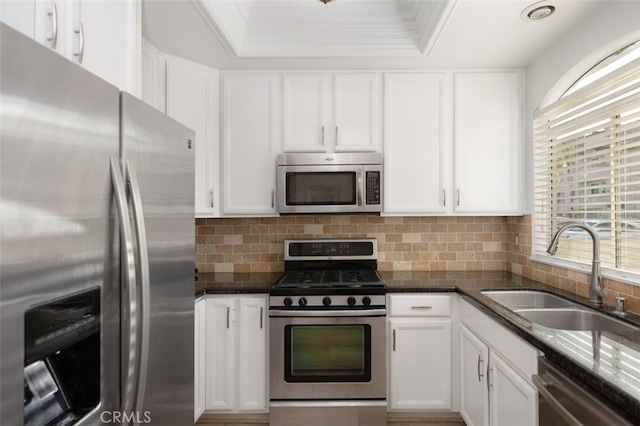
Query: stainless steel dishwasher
point(561, 401)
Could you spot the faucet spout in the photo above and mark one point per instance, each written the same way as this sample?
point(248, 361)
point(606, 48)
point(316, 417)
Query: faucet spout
point(596, 288)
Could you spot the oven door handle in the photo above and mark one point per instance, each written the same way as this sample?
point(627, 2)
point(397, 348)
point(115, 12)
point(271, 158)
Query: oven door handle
point(346, 313)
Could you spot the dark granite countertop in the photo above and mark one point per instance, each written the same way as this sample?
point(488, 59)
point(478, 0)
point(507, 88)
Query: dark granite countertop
point(606, 363)
point(235, 283)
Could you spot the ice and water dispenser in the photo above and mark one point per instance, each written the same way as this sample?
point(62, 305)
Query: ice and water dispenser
point(62, 359)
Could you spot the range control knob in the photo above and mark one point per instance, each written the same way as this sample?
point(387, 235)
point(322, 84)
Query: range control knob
point(302, 301)
point(351, 300)
point(288, 302)
point(326, 301)
point(366, 301)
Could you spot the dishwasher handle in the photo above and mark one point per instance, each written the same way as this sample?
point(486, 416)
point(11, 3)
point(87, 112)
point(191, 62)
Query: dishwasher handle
point(543, 389)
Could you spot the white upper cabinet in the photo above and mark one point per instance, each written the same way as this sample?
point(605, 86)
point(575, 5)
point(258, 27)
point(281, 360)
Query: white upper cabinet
point(488, 143)
point(192, 98)
point(326, 112)
point(417, 143)
point(153, 76)
point(305, 112)
point(453, 151)
point(249, 132)
point(103, 36)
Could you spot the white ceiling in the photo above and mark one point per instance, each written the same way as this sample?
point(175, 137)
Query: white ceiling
point(358, 33)
point(343, 28)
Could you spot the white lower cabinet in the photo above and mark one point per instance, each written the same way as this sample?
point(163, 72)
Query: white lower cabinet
point(199, 364)
point(236, 353)
point(496, 369)
point(420, 353)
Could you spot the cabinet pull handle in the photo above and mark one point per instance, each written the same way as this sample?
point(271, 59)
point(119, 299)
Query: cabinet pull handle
point(444, 198)
point(261, 313)
point(211, 198)
point(422, 307)
point(80, 54)
point(394, 340)
point(489, 385)
point(337, 140)
point(54, 26)
point(228, 309)
point(273, 198)
point(458, 197)
point(322, 139)
point(480, 375)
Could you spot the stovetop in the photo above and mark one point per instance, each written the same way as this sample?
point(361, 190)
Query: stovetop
point(329, 274)
point(351, 278)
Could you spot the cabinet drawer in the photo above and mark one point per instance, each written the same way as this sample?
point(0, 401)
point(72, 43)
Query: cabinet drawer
point(420, 305)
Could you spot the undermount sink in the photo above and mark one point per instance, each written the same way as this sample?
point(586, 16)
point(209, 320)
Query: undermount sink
point(574, 319)
point(527, 299)
point(549, 310)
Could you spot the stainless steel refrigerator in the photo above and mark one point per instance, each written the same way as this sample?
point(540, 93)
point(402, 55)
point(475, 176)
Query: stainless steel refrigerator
point(97, 249)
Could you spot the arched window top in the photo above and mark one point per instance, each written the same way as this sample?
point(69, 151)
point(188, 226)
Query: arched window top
point(607, 65)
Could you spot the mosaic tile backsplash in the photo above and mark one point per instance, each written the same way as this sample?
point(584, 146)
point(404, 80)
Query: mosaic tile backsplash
point(404, 243)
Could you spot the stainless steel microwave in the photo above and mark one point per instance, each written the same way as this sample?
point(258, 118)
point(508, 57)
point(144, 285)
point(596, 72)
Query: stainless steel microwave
point(329, 183)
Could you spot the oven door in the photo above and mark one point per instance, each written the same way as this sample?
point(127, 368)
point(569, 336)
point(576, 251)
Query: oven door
point(320, 189)
point(327, 358)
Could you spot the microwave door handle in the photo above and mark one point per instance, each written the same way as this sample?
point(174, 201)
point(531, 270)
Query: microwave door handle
point(359, 187)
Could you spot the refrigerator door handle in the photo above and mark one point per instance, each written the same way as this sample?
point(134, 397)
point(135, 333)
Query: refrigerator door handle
point(129, 292)
point(144, 288)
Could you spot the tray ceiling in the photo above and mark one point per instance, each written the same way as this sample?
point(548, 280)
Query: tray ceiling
point(309, 28)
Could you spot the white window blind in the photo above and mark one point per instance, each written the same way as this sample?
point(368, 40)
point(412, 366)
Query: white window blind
point(587, 170)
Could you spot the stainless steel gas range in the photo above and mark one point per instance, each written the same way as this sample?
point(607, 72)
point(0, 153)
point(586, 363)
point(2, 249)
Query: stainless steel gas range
point(327, 336)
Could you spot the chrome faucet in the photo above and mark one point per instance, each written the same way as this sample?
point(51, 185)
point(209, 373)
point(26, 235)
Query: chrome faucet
point(596, 288)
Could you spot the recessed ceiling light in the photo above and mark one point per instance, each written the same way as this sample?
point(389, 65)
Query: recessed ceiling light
point(538, 11)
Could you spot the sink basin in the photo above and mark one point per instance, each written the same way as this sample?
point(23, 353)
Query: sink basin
point(527, 299)
point(574, 319)
point(553, 311)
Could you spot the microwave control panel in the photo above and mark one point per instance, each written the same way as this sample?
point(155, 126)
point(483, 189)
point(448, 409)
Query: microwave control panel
point(373, 187)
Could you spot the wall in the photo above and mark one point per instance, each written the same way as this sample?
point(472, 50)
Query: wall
point(404, 243)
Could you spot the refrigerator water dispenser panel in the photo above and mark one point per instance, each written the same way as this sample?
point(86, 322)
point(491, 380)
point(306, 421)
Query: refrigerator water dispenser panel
point(62, 359)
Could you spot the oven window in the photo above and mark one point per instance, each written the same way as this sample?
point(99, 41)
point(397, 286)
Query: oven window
point(328, 353)
point(321, 188)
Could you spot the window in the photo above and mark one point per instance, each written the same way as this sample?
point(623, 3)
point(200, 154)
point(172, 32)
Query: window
point(587, 165)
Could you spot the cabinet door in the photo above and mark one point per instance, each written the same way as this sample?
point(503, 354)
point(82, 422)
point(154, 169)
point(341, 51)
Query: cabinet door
point(488, 139)
point(249, 117)
point(305, 112)
point(152, 78)
point(356, 112)
point(252, 353)
point(104, 36)
point(220, 354)
point(417, 143)
point(49, 21)
point(192, 90)
point(420, 364)
point(19, 15)
point(513, 401)
point(199, 378)
point(474, 401)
